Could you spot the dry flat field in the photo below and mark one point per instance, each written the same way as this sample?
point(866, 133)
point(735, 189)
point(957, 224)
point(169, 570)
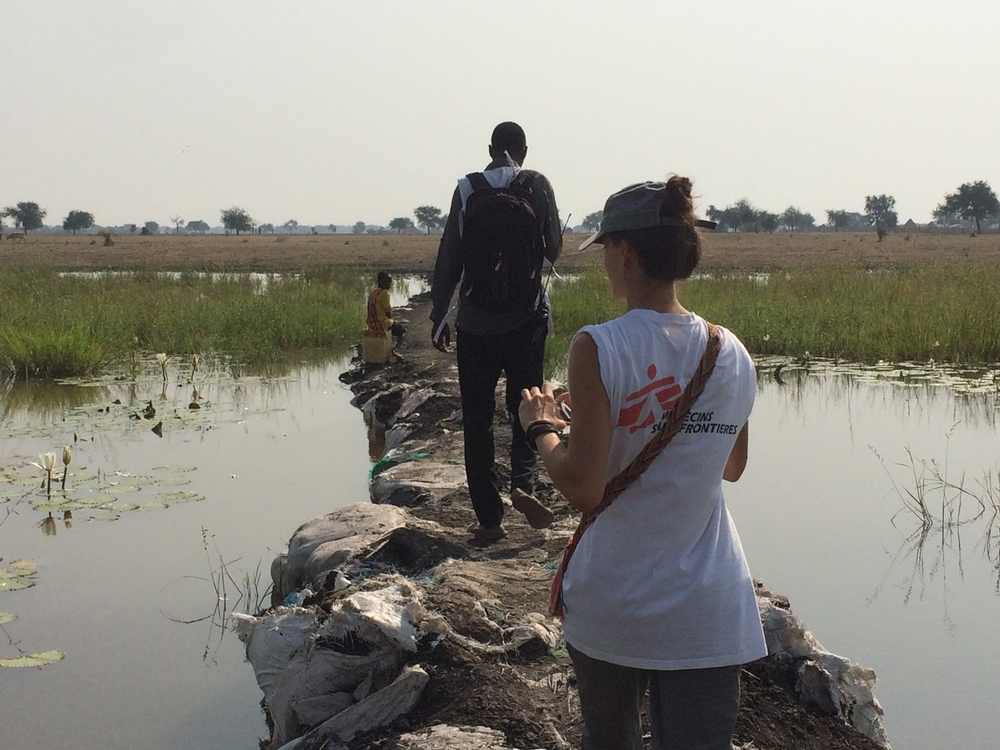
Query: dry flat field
point(416, 253)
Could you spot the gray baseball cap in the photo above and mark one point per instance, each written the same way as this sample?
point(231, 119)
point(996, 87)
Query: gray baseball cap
point(637, 207)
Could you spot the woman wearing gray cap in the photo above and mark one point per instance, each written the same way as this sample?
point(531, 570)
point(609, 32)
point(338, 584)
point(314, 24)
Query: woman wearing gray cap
point(657, 592)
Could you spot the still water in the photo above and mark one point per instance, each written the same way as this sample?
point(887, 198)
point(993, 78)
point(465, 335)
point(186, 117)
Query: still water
point(815, 511)
point(266, 454)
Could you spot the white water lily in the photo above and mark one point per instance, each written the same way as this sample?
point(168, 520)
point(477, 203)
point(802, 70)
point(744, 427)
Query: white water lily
point(767, 337)
point(46, 462)
point(163, 359)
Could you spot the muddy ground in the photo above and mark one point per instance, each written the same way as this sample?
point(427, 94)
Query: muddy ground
point(526, 698)
point(416, 253)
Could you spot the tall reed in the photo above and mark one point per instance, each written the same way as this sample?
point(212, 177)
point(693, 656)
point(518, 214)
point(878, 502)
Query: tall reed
point(56, 325)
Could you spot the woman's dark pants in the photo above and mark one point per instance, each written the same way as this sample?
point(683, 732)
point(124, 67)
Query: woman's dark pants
point(481, 359)
point(689, 708)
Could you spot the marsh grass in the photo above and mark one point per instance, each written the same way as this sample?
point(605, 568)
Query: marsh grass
point(58, 325)
point(939, 506)
point(947, 311)
point(234, 591)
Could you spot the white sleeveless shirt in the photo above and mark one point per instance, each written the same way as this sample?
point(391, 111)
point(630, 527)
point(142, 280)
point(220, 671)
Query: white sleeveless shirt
point(659, 581)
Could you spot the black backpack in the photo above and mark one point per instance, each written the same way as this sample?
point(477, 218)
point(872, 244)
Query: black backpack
point(502, 245)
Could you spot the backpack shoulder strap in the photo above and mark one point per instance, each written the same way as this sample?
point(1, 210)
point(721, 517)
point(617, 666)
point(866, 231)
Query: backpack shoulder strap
point(524, 179)
point(477, 180)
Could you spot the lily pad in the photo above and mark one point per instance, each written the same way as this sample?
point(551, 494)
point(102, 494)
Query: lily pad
point(175, 468)
point(22, 567)
point(54, 507)
point(33, 660)
point(7, 617)
point(120, 489)
point(182, 496)
point(14, 583)
point(93, 502)
point(104, 517)
point(168, 481)
point(123, 507)
point(150, 506)
point(25, 480)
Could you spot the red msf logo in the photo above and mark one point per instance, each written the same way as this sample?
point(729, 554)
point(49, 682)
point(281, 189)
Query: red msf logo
point(665, 392)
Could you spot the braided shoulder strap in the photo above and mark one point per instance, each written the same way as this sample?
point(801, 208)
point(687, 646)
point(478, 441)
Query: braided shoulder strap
point(671, 424)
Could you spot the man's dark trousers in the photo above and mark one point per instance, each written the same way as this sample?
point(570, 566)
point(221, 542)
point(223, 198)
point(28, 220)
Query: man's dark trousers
point(481, 359)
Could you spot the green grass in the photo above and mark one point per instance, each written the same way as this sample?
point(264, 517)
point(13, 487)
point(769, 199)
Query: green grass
point(58, 326)
point(948, 312)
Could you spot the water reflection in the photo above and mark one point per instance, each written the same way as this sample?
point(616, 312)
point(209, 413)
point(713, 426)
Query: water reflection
point(376, 437)
point(970, 395)
point(44, 400)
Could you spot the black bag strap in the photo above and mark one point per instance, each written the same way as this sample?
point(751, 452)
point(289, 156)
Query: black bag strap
point(477, 180)
point(524, 178)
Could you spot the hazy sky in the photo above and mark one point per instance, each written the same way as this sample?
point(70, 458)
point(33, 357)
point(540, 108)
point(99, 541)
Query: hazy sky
point(331, 111)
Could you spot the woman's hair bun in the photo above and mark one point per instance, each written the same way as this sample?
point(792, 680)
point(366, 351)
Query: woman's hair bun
point(677, 201)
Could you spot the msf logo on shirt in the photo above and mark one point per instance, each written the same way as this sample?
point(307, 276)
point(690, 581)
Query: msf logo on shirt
point(647, 405)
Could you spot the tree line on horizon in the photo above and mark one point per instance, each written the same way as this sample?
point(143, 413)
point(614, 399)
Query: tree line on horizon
point(29, 216)
point(972, 204)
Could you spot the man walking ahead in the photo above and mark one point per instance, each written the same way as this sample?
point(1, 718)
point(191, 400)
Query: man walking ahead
point(503, 222)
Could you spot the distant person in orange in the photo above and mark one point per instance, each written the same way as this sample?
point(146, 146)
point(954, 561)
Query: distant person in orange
point(381, 329)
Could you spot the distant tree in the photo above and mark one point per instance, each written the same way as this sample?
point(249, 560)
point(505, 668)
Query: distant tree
point(973, 200)
point(151, 227)
point(592, 222)
point(26, 215)
point(838, 219)
point(945, 217)
point(428, 217)
point(741, 216)
point(332, 228)
point(176, 221)
point(198, 226)
point(796, 219)
point(291, 226)
point(880, 210)
point(767, 221)
point(746, 214)
point(856, 220)
point(237, 220)
point(268, 228)
point(132, 228)
point(78, 220)
point(715, 214)
point(401, 224)
point(359, 227)
point(373, 230)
